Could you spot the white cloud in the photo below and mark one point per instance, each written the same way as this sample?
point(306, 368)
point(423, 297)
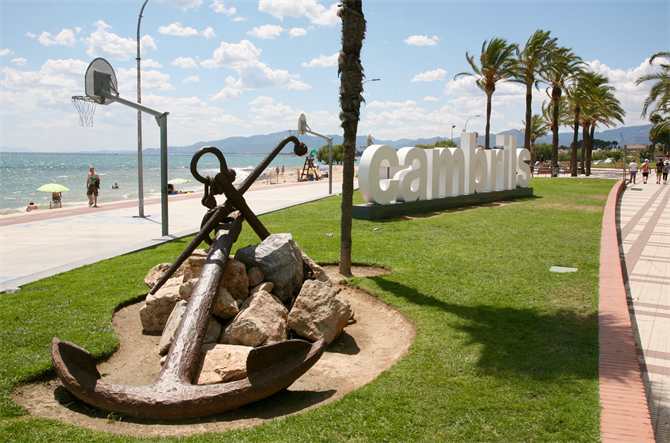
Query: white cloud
point(316, 13)
point(63, 38)
point(261, 100)
point(431, 99)
point(149, 63)
point(253, 74)
point(152, 80)
point(430, 76)
point(184, 4)
point(185, 62)
point(6, 51)
point(20, 61)
point(219, 7)
point(30, 34)
point(239, 19)
point(297, 32)
point(208, 33)
point(386, 105)
point(192, 79)
point(322, 61)
point(104, 44)
point(267, 32)
point(177, 29)
point(422, 40)
point(229, 92)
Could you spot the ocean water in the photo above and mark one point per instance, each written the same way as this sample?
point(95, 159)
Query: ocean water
point(21, 175)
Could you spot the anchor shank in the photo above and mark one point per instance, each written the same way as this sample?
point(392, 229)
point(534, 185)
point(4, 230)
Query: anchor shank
point(184, 352)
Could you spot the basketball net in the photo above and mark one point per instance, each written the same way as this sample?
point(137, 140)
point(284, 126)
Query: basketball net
point(86, 108)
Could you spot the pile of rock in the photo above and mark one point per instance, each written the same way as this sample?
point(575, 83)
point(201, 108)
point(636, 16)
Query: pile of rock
point(269, 292)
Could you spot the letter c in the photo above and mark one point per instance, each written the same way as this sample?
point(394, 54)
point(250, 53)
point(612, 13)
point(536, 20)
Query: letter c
point(372, 188)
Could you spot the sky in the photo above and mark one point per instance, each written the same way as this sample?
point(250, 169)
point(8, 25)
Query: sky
point(241, 68)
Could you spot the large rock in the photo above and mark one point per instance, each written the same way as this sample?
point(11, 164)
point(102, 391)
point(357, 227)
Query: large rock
point(158, 307)
point(235, 279)
point(158, 271)
point(225, 305)
point(280, 259)
point(193, 265)
point(211, 335)
point(262, 320)
point(319, 273)
point(265, 286)
point(318, 312)
point(256, 277)
point(221, 363)
point(186, 288)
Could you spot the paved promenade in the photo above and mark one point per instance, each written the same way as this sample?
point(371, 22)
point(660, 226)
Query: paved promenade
point(42, 243)
point(644, 222)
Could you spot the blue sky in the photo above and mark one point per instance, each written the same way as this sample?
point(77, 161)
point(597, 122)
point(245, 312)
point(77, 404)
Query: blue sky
point(240, 68)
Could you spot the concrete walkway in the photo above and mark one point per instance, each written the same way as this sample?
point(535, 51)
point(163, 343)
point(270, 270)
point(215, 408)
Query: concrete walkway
point(42, 243)
point(644, 223)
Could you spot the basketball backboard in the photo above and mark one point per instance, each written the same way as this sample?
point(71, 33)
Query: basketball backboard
point(302, 124)
point(100, 77)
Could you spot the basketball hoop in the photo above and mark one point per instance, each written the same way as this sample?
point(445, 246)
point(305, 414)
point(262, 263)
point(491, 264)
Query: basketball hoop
point(86, 107)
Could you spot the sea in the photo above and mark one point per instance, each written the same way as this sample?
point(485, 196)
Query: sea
point(22, 173)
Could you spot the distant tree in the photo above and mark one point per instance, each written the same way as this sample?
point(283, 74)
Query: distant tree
point(562, 65)
point(660, 131)
point(323, 154)
point(543, 149)
point(440, 144)
point(529, 64)
point(538, 128)
point(350, 71)
point(496, 64)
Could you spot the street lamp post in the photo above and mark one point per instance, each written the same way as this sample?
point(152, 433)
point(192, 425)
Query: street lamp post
point(371, 80)
point(466, 122)
point(140, 181)
point(452, 132)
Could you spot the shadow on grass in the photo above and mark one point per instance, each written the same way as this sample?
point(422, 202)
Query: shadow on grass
point(519, 341)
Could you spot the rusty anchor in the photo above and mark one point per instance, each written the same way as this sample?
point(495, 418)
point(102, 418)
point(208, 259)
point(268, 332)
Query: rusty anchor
point(270, 368)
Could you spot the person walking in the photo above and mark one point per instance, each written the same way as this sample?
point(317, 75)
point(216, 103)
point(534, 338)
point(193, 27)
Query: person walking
point(632, 169)
point(92, 186)
point(659, 171)
point(666, 170)
point(645, 171)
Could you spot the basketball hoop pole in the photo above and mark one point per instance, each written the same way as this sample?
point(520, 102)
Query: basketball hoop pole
point(303, 128)
point(161, 119)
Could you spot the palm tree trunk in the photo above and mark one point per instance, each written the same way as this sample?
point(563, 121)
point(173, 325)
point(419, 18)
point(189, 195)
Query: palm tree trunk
point(573, 157)
point(585, 137)
point(351, 89)
point(529, 116)
point(589, 150)
point(555, 97)
point(488, 118)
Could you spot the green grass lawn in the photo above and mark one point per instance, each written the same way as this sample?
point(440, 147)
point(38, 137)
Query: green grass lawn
point(504, 350)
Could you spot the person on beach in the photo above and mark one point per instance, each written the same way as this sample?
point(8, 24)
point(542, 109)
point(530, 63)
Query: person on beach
point(116, 186)
point(632, 169)
point(645, 171)
point(282, 170)
point(92, 185)
point(659, 171)
point(32, 207)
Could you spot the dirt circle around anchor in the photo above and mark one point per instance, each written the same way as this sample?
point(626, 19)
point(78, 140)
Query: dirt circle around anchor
point(380, 336)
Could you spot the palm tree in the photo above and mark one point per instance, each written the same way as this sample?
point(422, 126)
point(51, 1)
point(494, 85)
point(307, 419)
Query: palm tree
point(564, 113)
point(496, 64)
point(660, 91)
point(350, 71)
point(603, 108)
point(538, 128)
point(561, 66)
point(529, 64)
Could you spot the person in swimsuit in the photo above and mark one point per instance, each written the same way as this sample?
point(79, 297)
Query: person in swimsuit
point(92, 184)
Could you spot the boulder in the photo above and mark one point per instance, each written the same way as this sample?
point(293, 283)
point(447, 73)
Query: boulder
point(256, 276)
point(265, 286)
point(280, 259)
point(186, 288)
point(221, 363)
point(318, 312)
point(193, 265)
point(158, 271)
point(158, 307)
point(171, 327)
point(319, 273)
point(262, 320)
point(225, 306)
point(235, 279)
